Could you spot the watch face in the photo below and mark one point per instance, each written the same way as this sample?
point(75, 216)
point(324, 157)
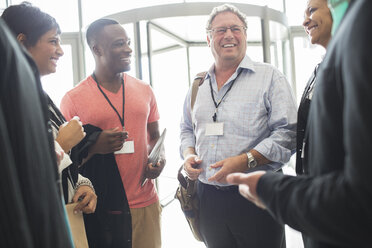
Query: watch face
point(252, 163)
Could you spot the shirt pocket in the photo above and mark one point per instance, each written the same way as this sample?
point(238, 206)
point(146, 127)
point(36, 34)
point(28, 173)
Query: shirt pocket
point(251, 118)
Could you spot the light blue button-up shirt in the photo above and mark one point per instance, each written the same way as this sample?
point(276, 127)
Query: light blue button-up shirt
point(259, 112)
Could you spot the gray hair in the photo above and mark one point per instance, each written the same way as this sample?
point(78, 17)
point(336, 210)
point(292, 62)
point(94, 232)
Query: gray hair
point(226, 8)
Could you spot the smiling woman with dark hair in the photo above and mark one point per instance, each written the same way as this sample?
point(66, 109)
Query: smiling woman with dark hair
point(39, 33)
point(318, 25)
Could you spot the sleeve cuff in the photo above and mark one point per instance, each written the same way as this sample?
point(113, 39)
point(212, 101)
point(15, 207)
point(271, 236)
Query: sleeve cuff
point(272, 152)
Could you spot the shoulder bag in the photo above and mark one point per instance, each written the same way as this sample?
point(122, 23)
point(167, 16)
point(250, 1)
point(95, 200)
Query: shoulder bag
point(186, 191)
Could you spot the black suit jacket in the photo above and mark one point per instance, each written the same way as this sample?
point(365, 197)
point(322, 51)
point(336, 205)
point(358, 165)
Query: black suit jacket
point(31, 211)
point(111, 224)
point(332, 206)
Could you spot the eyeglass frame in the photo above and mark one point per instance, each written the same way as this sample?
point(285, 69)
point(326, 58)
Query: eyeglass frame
point(213, 30)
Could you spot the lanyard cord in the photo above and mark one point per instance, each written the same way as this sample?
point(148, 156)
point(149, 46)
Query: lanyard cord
point(214, 117)
point(108, 100)
point(312, 83)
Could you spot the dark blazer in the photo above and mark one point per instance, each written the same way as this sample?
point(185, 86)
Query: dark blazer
point(31, 210)
point(302, 116)
point(332, 206)
point(111, 224)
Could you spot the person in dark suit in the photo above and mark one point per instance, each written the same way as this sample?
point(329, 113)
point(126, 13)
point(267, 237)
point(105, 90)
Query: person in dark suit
point(31, 211)
point(332, 205)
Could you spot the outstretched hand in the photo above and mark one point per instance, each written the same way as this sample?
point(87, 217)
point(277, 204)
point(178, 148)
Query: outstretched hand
point(248, 185)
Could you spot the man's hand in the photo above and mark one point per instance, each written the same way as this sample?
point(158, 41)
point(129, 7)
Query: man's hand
point(248, 185)
point(190, 165)
point(153, 171)
point(70, 134)
point(88, 200)
point(229, 165)
point(110, 140)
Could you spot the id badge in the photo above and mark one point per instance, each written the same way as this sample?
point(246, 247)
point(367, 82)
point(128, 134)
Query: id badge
point(215, 128)
point(128, 147)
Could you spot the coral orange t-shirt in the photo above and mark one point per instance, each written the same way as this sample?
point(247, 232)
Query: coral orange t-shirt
point(86, 101)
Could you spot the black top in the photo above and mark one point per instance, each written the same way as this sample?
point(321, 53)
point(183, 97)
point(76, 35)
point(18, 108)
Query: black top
point(71, 173)
point(332, 205)
point(302, 116)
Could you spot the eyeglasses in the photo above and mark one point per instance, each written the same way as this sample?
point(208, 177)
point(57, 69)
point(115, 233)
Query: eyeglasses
point(222, 30)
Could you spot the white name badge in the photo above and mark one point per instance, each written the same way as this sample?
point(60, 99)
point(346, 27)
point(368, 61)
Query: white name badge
point(215, 128)
point(128, 147)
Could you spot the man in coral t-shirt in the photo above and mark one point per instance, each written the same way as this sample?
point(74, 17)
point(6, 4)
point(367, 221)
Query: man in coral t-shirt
point(125, 109)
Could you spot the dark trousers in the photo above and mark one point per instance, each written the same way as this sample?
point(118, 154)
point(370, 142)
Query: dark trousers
point(106, 230)
point(228, 220)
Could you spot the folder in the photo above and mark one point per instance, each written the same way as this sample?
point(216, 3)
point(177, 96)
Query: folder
point(155, 153)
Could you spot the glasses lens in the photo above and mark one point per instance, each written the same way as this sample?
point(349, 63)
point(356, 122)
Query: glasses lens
point(236, 29)
point(221, 30)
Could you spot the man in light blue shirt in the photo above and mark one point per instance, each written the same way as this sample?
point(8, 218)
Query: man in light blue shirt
point(244, 119)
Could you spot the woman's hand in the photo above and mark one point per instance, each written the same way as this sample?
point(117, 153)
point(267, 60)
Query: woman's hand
point(86, 198)
point(70, 134)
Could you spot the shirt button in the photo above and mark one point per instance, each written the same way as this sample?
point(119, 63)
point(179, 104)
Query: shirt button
point(212, 145)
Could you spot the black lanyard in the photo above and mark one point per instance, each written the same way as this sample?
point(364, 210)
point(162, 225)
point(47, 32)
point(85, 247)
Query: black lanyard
point(214, 117)
point(312, 83)
point(108, 100)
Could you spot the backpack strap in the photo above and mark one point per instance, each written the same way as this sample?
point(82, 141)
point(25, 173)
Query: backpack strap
point(198, 80)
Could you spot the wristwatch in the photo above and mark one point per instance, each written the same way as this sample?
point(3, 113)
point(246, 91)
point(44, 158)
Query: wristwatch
point(252, 162)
